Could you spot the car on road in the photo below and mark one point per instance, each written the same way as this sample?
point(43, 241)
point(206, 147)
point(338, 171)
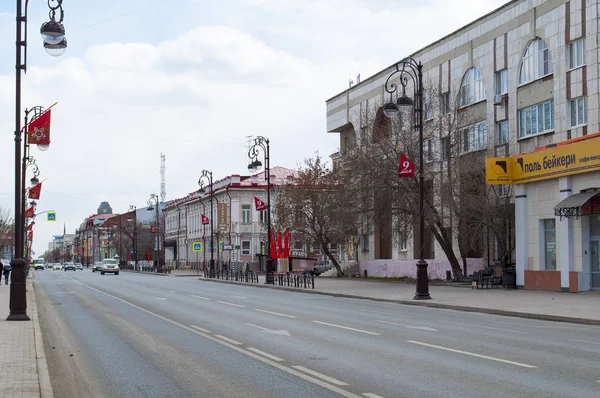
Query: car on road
point(97, 266)
point(57, 267)
point(49, 265)
point(319, 268)
point(39, 266)
point(78, 266)
point(69, 267)
point(109, 265)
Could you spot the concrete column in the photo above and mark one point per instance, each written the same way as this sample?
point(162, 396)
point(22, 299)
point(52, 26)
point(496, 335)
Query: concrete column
point(564, 242)
point(521, 232)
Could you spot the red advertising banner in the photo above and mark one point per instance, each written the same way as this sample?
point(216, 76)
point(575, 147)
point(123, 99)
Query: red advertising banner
point(406, 168)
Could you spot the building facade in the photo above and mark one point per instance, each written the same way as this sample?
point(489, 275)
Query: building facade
point(531, 69)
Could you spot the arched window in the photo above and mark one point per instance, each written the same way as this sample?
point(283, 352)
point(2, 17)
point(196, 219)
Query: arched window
point(536, 62)
point(472, 89)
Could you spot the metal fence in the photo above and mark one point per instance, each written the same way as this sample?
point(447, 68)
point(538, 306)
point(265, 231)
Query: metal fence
point(249, 277)
point(294, 280)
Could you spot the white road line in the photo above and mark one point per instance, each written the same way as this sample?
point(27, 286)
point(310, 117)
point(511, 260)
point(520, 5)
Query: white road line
point(427, 328)
point(585, 341)
point(232, 304)
point(200, 329)
point(274, 313)
point(472, 354)
point(227, 339)
point(320, 375)
point(233, 347)
point(485, 327)
point(397, 315)
point(239, 297)
point(265, 354)
point(200, 297)
point(347, 328)
point(371, 395)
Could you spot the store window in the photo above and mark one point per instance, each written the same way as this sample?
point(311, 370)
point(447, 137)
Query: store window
point(245, 248)
point(549, 241)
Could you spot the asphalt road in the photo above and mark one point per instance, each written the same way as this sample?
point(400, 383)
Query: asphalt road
point(135, 335)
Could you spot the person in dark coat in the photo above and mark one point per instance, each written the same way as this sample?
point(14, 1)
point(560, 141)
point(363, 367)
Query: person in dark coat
point(6, 271)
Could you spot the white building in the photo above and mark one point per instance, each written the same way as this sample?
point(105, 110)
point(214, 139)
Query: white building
point(531, 67)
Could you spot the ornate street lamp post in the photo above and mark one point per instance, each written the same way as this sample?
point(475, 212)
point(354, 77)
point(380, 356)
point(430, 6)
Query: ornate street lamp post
point(53, 33)
point(254, 165)
point(153, 203)
point(208, 176)
point(412, 71)
point(133, 209)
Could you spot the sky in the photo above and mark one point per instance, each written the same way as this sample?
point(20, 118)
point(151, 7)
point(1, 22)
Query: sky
point(193, 79)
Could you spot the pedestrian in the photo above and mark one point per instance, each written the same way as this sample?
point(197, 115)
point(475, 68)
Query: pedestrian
point(6, 270)
point(1, 267)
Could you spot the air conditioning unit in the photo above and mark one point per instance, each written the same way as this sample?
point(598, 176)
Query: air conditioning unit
point(499, 99)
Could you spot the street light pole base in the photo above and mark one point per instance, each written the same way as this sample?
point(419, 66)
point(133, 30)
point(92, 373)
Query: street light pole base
point(422, 292)
point(18, 295)
point(269, 276)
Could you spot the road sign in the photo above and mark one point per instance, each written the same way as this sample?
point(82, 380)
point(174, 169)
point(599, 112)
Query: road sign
point(197, 247)
point(228, 247)
point(51, 216)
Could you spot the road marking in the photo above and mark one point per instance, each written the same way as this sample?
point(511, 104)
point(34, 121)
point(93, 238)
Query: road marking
point(200, 329)
point(232, 304)
point(320, 375)
point(239, 297)
point(265, 354)
point(485, 327)
point(272, 331)
point(585, 341)
point(200, 297)
point(233, 347)
point(385, 313)
point(161, 298)
point(227, 339)
point(347, 328)
point(371, 395)
point(66, 292)
point(171, 291)
point(274, 313)
point(427, 328)
point(472, 354)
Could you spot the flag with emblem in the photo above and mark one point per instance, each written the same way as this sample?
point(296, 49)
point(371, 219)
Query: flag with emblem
point(259, 204)
point(30, 212)
point(35, 191)
point(38, 131)
point(205, 220)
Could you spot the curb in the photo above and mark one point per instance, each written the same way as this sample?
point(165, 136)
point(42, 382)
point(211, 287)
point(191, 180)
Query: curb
point(416, 303)
point(42, 366)
point(145, 273)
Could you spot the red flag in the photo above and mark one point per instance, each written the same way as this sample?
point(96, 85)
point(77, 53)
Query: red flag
point(279, 245)
point(38, 131)
point(29, 213)
point(30, 226)
point(287, 238)
point(152, 228)
point(34, 191)
point(30, 235)
point(259, 204)
point(273, 247)
point(406, 168)
point(205, 220)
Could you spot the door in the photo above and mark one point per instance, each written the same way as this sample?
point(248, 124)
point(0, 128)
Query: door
point(595, 259)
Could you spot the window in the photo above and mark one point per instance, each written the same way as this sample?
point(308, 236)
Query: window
point(549, 226)
point(365, 242)
point(262, 216)
point(536, 62)
point(578, 111)
point(474, 138)
point(471, 88)
point(428, 150)
point(446, 148)
point(501, 82)
point(536, 119)
point(445, 103)
point(577, 53)
point(246, 214)
point(403, 240)
point(245, 248)
point(501, 135)
point(428, 114)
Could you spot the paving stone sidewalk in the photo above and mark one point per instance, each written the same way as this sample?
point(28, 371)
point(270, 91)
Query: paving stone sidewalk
point(18, 357)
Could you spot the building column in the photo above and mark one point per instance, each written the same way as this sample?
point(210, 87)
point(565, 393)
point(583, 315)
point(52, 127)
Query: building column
point(521, 232)
point(564, 241)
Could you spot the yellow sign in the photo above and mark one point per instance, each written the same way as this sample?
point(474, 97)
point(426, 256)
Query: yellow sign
point(558, 161)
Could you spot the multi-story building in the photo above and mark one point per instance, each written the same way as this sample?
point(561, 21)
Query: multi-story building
point(530, 69)
point(239, 231)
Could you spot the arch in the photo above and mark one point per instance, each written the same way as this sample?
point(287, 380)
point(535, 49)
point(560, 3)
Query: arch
point(535, 62)
point(472, 88)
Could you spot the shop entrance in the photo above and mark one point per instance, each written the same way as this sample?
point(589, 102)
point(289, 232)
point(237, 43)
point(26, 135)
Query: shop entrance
point(595, 252)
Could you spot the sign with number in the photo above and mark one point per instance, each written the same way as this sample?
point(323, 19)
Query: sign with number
point(51, 216)
point(406, 168)
point(197, 247)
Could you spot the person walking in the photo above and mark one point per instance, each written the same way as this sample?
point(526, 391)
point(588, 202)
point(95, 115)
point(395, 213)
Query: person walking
point(6, 270)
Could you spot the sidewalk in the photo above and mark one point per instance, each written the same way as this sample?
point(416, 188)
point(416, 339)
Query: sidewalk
point(566, 307)
point(23, 368)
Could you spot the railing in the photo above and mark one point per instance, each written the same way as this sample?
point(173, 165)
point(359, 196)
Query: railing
point(249, 277)
point(295, 280)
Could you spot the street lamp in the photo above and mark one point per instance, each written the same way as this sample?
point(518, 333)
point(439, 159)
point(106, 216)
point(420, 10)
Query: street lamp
point(411, 70)
point(133, 209)
point(18, 298)
point(208, 176)
point(254, 165)
point(153, 203)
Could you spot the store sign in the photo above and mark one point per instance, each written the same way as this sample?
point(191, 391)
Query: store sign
point(558, 161)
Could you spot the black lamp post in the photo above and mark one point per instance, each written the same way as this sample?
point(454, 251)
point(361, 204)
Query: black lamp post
point(133, 209)
point(28, 161)
point(207, 175)
point(255, 164)
point(411, 70)
point(153, 203)
point(53, 33)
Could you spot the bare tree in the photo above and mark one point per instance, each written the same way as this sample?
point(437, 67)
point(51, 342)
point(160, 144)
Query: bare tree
point(316, 208)
point(7, 228)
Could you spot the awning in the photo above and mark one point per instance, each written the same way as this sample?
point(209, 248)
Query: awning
point(571, 206)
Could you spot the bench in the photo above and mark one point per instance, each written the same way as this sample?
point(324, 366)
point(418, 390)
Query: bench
point(486, 278)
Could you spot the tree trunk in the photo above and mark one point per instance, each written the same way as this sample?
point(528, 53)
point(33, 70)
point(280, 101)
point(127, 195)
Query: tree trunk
point(446, 244)
point(340, 273)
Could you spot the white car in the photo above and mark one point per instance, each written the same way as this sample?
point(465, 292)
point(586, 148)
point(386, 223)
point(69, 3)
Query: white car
point(79, 266)
point(109, 265)
point(57, 267)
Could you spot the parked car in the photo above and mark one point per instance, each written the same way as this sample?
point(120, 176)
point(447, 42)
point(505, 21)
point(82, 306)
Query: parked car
point(109, 265)
point(57, 267)
point(319, 268)
point(69, 266)
point(97, 266)
point(78, 266)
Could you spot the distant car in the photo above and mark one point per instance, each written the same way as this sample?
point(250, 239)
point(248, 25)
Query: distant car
point(97, 266)
point(58, 267)
point(69, 267)
point(49, 266)
point(319, 268)
point(109, 265)
point(79, 266)
point(39, 266)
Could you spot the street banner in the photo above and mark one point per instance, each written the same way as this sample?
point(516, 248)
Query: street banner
point(406, 168)
point(38, 131)
point(35, 191)
point(279, 245)
point(205, 220)
point(272, 244)
point(30, 226)
point(30, 212)
point(259, 204)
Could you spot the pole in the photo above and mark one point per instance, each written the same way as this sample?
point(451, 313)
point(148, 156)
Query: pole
point(269, 277)
point(135, 240)
point(212, 240)
point(422, 292)
point(157, 237)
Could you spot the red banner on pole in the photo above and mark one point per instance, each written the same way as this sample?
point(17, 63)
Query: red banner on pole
point(205, 220)
point(406, 168)
point(259, 204)
point(35, 191)
point(38, 131)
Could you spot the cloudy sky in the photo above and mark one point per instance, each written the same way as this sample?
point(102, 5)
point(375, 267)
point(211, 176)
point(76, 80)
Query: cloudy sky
point(192, 79)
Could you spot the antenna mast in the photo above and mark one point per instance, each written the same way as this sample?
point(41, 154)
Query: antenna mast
point(163, 185)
